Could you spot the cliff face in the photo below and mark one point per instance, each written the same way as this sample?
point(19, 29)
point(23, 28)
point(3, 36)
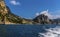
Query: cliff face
point(3, 12)
point(3, 9)
point(6, 17)
point(41, 19)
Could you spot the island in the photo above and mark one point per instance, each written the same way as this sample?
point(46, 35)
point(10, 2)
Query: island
point(7, 17)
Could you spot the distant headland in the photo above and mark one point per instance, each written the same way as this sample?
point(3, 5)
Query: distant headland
point(7, 17)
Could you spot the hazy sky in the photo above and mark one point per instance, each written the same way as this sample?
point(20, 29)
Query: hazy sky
point(28, 8)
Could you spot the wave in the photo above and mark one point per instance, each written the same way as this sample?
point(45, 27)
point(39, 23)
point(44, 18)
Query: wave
point(51, 32)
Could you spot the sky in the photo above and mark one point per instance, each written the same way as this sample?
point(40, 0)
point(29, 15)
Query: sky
point(31, 8)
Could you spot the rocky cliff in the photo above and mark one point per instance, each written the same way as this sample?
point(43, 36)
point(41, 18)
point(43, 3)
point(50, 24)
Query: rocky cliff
point(3, 12)
point(6, 17)
point(41, 19)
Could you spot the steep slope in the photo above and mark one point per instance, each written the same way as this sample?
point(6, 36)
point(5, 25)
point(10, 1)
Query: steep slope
point(41, 19)
point(6, 17)
point(13, 18)
point(3, 12)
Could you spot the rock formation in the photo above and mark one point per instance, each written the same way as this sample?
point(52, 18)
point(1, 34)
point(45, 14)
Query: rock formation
point(41, 19)
point(3, 12)
point(6, 17)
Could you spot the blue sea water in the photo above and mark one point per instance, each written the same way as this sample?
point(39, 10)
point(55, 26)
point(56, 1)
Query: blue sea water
point(27, 30)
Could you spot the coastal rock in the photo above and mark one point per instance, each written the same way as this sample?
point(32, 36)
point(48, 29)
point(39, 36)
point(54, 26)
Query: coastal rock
point(41, 19)
point(7, 17)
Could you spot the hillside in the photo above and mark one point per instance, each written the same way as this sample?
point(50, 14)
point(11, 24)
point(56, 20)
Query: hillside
point(41, 19)
point(7, 17)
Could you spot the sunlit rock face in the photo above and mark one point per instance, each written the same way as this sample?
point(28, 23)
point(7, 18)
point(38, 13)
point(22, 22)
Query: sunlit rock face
point(4, 13)
point(51, 32)
point(3, 9)
point(6, 17)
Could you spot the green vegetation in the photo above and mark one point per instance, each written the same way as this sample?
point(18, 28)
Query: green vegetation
point(13, 18)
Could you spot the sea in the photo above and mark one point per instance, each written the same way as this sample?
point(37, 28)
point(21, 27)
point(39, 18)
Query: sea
point(19, 30)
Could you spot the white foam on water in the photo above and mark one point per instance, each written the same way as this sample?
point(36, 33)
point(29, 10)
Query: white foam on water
point(51, 32)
